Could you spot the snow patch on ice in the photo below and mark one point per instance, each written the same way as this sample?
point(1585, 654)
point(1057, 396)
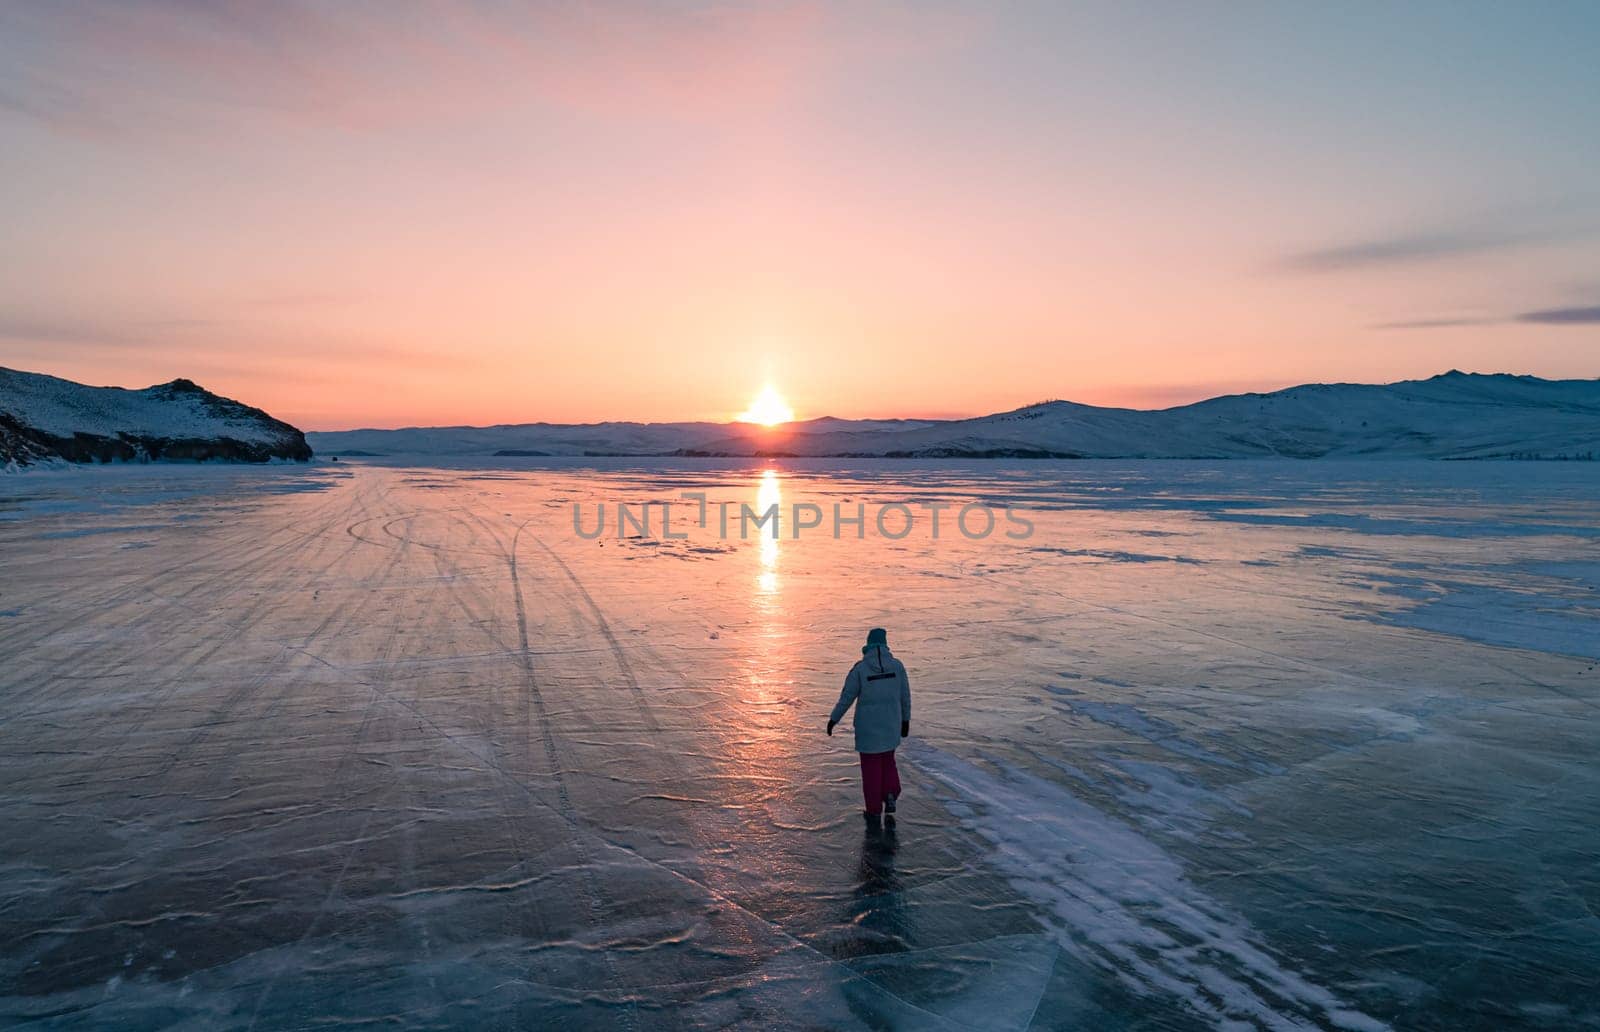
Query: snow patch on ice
point(1514, 619)
point(1152, 729)
point(1117, 900)
point(1540, 606)
point(1169, 800)
point(1430, 527)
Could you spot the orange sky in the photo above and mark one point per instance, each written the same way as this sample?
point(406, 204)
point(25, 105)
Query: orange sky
point(389, 215)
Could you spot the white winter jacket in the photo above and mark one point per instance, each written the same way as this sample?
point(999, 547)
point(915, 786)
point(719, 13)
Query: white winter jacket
point(878, 686)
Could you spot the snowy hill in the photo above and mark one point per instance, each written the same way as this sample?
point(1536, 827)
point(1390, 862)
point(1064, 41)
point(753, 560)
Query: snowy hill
point(1451, 416)
point(47, 419)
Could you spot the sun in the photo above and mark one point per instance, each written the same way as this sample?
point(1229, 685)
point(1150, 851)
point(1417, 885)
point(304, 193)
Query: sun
point(768, 409)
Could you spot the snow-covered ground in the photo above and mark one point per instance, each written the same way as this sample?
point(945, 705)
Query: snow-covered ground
point(1275, 745)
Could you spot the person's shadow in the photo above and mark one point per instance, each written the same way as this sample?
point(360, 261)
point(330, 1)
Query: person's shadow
point(880, 923)
point(880, 906)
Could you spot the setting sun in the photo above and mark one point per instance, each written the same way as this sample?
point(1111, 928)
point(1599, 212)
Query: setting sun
point(768, 409)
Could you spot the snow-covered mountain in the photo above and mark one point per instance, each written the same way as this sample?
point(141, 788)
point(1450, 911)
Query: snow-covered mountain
point(1451, 416)
point(616, 438)
point(48, 419)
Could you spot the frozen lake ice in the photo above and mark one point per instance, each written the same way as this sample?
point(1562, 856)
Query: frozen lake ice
point(1253, 745)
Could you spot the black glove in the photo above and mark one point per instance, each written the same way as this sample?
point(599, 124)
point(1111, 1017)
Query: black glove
point(905, 729)
point(830, 728)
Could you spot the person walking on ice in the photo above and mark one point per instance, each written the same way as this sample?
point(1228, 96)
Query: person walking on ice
point(878, 687)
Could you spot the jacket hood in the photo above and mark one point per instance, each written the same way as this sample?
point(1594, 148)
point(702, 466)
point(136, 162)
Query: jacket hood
point(876, 657)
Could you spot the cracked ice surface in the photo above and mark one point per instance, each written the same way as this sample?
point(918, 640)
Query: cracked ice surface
point(1263, 745)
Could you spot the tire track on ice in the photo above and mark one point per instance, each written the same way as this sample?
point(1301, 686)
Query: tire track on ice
point(568, 811)
point(213, 770)
point(145, 583)
point(370, 716)
point(115, 661)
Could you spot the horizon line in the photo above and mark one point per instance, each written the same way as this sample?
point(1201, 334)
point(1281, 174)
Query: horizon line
point(733, 422)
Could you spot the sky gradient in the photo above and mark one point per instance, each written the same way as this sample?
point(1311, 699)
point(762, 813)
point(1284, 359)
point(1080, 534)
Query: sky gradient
point(386, 214)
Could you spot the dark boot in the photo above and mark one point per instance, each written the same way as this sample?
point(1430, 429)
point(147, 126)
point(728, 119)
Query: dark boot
point(874, 822)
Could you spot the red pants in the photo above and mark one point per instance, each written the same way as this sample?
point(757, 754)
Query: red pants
point(879, 777)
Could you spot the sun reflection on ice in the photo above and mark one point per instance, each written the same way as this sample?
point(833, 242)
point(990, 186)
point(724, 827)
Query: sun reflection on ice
point(768, 495)
point(759, 742)
point(771, 632)
point(770, 677)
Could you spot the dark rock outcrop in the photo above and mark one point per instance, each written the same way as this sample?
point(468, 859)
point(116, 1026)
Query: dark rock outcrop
point(47, 419)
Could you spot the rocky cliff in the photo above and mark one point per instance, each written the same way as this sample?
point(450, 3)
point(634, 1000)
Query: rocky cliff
point(45, 419)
